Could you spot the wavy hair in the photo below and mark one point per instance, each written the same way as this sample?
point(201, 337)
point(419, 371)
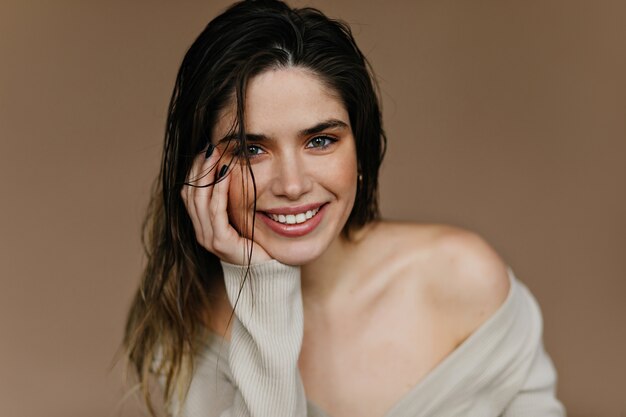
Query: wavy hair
point(168, 315)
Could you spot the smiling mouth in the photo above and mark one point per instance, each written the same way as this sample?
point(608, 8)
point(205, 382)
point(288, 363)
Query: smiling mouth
point(293, 218)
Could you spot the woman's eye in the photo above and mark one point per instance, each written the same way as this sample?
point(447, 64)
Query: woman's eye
point(254, 150)
point(320, 142)
point(250, 150)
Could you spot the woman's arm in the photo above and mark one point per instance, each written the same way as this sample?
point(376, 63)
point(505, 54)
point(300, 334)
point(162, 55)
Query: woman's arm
point(256, 374)
point(268, 322)
point(266, 340)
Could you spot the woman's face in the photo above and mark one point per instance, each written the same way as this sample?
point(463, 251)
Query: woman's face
point(303, 157)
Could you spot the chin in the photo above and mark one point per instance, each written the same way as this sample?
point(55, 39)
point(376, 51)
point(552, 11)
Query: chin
point(293, 261)
point(295, 256)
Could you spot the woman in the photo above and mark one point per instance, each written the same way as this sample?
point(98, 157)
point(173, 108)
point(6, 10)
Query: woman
point(267, 201)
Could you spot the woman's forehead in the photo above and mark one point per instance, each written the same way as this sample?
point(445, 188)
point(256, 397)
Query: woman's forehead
point(284, 101)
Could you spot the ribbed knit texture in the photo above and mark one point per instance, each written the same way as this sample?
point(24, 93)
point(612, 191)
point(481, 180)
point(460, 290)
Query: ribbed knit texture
point(267, 337)
point(501, 370)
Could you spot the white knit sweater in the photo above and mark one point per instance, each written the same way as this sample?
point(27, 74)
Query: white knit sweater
point(501, 370)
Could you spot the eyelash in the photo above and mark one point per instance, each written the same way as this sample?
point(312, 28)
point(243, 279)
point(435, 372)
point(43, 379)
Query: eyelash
point(329, 141)
point(239, 151)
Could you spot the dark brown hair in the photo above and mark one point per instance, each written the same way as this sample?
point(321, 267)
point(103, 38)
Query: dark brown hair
point(169, 311)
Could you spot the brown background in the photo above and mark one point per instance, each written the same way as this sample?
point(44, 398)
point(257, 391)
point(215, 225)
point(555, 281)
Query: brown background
point(504, 117)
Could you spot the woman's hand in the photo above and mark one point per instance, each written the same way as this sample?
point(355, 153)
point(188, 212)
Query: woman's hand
point(207, 208)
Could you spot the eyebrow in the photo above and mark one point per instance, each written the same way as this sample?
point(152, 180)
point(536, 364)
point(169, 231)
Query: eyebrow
point(318, 128)
point(325, 125)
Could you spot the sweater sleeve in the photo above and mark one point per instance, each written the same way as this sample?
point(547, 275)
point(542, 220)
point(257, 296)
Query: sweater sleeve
point(266, 340)
point(537, 395)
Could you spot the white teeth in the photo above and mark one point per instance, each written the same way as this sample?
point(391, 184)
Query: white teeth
point(294, 218)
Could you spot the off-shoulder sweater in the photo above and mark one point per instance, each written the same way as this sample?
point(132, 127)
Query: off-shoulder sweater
point(500, 370)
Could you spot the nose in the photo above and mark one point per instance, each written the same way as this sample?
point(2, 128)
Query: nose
point(291, 178)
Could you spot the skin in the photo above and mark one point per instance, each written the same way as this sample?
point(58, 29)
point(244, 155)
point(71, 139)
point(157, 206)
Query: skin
point(415, 291)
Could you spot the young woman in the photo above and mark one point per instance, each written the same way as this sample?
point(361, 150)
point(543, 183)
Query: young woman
point(267, 201)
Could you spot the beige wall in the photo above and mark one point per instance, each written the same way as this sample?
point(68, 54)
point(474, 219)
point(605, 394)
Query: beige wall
point(504, 117)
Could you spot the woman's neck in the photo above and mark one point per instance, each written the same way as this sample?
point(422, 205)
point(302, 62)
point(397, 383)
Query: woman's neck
point(335, 272)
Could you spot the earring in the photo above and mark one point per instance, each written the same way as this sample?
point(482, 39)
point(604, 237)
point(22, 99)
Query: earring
point(360, 178)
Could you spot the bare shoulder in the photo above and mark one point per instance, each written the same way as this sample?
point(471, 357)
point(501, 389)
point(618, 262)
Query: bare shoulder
point(469, 270)
point(464, 278)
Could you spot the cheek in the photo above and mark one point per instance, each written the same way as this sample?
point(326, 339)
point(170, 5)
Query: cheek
point(349, 182)
point(344, 183)
point(344, 174)
point(348, 177)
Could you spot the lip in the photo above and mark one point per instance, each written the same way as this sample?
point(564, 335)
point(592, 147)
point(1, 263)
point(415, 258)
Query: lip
point(294, 230)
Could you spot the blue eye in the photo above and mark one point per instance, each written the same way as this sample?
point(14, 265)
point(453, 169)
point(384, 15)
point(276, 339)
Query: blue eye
point(250, 150)
point(320, 142)
point(254, 150)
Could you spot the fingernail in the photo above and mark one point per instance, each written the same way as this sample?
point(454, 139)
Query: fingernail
point(222, 171)
point(209, 151)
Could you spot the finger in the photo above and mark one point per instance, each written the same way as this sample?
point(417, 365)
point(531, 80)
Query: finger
point(205, 164)
point(186, 191)
point(203, 195)
point(190, 190)
point(224, 234)
point(187, 194)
